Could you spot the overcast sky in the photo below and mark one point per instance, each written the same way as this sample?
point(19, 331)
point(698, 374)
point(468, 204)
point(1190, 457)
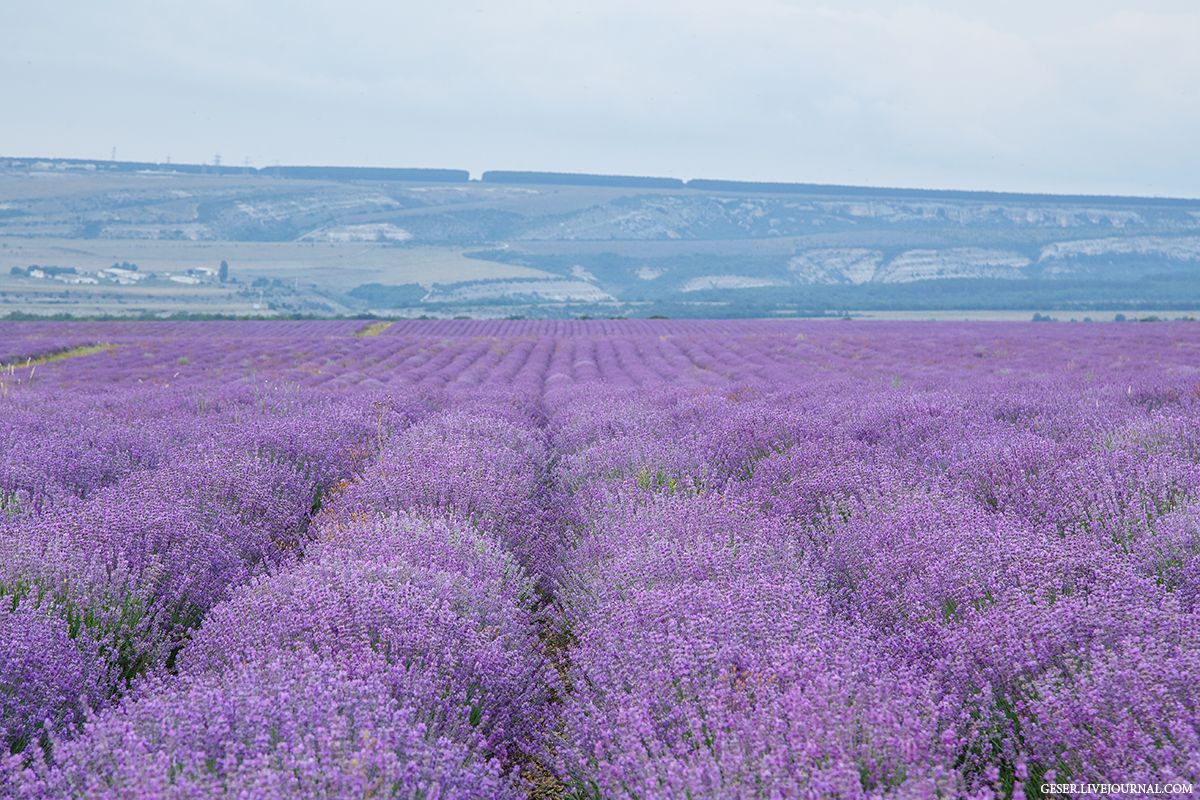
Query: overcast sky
point(1045, 95)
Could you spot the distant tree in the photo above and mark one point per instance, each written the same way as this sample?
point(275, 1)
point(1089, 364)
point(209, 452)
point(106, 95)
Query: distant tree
point(18, 271)
point(223, 272)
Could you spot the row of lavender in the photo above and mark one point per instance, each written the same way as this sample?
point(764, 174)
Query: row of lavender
point(792, 560)
point(396, 655)
point(929, 594)
point(127, 516)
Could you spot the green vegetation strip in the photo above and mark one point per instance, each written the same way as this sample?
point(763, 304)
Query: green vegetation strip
point(58, 355)
point(374, 329)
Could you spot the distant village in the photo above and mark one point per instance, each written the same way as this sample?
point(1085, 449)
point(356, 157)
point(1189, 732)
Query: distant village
point(124, 273)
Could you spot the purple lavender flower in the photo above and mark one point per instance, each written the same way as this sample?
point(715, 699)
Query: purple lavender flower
point(298, 727)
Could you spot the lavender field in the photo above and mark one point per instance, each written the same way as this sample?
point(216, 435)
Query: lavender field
point(597, 559)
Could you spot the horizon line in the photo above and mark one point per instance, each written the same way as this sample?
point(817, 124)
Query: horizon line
point(596, 179)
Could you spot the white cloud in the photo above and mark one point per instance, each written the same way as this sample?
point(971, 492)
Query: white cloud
point(1067, 96)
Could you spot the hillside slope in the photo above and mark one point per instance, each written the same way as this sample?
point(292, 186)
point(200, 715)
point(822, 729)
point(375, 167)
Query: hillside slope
point(340, 240)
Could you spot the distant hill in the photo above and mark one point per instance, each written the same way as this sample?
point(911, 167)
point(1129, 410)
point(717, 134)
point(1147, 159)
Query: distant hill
point(355, 239)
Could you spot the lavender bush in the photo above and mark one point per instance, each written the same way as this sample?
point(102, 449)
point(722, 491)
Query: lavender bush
point(298, 728)
point(598, 559)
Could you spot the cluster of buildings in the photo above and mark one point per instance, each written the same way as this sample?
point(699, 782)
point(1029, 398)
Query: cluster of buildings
point(123, 274)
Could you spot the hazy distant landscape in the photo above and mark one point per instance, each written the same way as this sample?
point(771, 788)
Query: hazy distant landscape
point(91, 238)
